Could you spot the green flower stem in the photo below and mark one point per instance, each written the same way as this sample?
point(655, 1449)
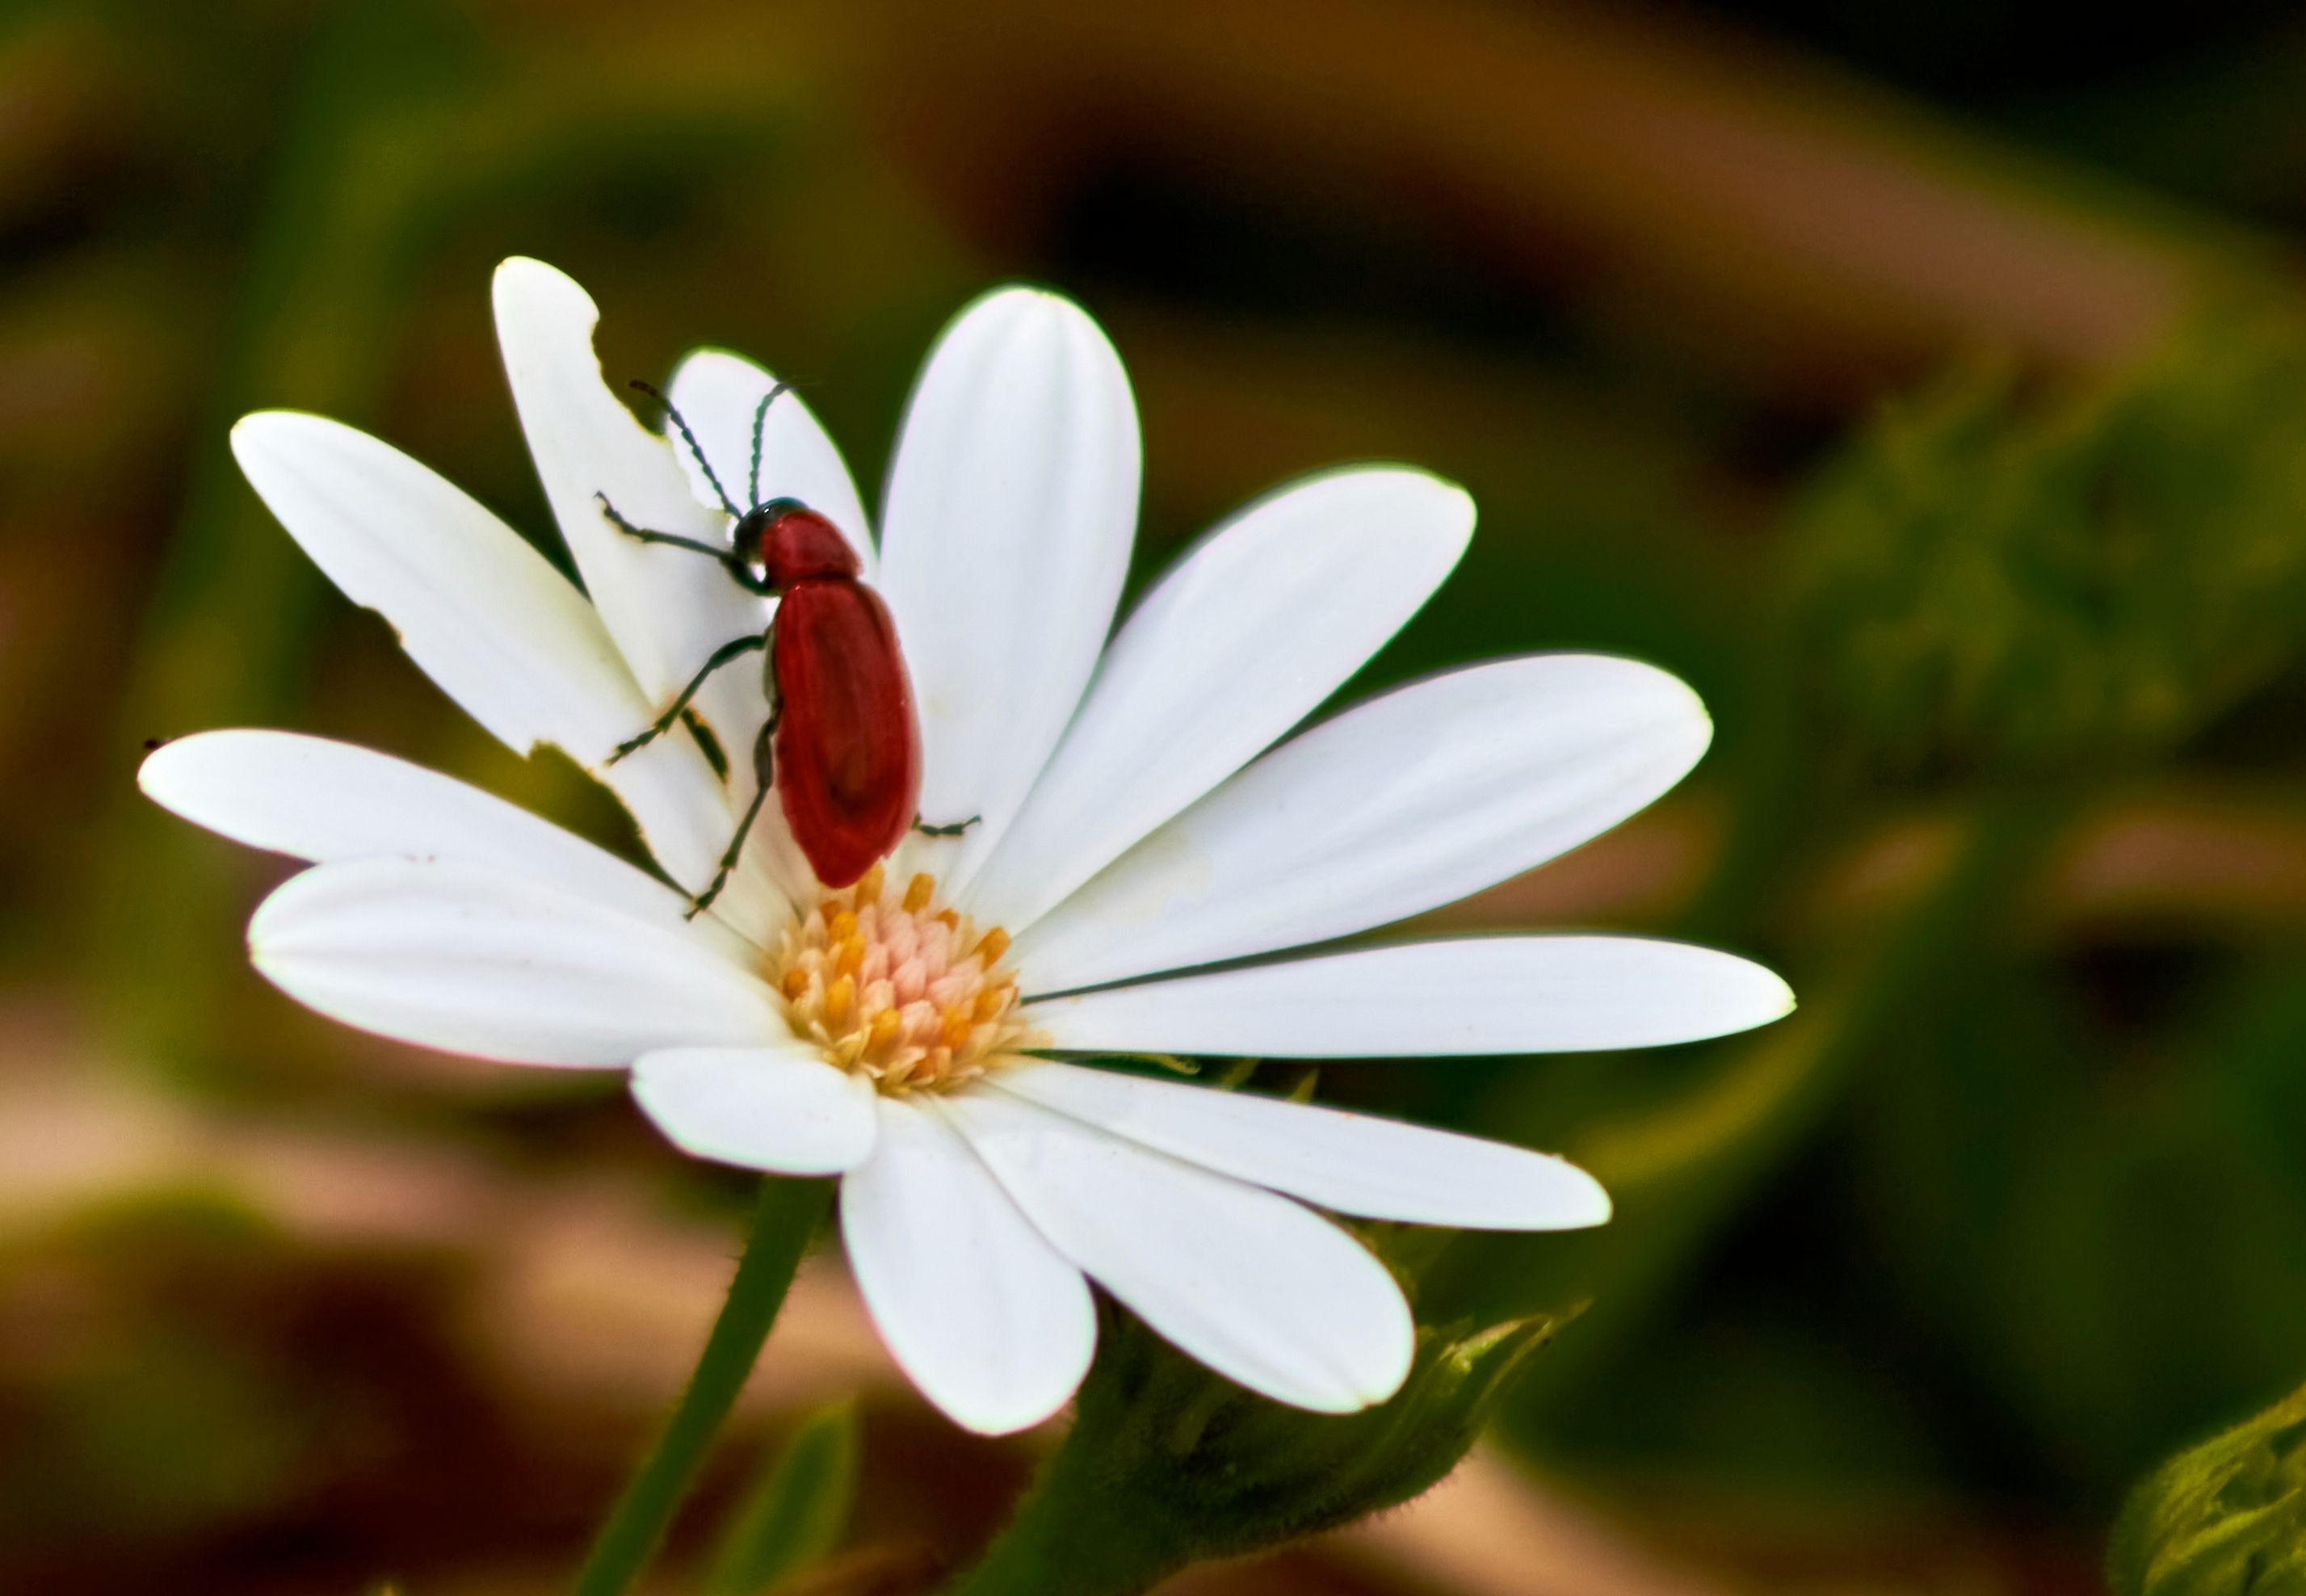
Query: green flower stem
point(1080, 1532)
point(789, 1214)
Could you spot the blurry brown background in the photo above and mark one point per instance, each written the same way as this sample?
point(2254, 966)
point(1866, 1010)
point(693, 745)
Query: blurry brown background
point(1904, 1293)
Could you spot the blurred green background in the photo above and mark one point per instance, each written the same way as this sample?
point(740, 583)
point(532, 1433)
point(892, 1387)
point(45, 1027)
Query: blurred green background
point(1925, 384)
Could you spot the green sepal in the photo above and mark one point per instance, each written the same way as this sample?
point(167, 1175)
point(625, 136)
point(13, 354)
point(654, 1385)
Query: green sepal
point(2225, 1518)
point(1168, 1463)
point(1229, 1472)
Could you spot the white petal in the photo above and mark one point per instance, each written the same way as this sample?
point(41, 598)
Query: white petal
point(1261, 1290)
point(668, 609)
point(780, 1109)
point(1413, 799)
point(1004, 539)
point(473, 959)
point(329, 802)
point(482, 614)
point(718, 394)
point(1467, 994)
point(1241, 641)
point(991, 1324)
point(480, 611)
point(1352, 1163)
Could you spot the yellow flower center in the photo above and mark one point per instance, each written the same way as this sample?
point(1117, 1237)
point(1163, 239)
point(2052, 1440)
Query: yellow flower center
point(898, 987)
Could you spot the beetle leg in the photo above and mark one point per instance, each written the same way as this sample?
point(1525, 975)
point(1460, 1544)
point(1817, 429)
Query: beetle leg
point(763, 760)
point(952, 829)
point(617, 519)
point(734, 649)
point(728, 558)
point(763, 767)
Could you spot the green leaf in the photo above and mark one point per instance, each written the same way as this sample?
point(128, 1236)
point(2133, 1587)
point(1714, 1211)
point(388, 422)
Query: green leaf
point(796, 1510)
point(2226, 1518)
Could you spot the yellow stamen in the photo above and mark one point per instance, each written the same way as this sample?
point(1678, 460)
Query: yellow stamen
point(881, 1027)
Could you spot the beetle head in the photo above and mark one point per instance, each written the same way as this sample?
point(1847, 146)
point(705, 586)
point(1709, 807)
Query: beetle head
point(782, 541)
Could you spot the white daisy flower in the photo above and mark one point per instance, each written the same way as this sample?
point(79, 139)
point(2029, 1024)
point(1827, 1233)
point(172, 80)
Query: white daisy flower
point(1143, 840)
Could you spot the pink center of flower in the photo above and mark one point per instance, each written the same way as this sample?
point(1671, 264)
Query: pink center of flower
point(899, 988)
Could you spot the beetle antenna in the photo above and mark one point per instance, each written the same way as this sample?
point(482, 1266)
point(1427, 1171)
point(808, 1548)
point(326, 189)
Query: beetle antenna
point(695, 448)
point(760, 415)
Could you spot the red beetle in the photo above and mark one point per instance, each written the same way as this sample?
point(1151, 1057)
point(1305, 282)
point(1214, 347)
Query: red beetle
point(841, 744)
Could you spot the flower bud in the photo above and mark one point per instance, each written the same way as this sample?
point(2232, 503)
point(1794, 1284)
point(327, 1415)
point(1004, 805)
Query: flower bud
point(1228, 1471)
